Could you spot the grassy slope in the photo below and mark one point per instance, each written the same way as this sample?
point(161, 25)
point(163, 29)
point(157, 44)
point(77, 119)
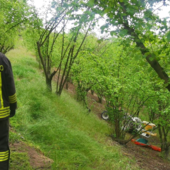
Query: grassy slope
point(60, 127)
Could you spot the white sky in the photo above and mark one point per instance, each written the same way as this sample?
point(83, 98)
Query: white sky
point(41, 4)
point(38, 3)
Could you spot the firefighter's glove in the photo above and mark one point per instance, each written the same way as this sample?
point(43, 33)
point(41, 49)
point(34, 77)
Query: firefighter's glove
point(12, 113)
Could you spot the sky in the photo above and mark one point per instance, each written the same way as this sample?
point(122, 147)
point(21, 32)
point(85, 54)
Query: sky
point(162, 11)
point(39, 4)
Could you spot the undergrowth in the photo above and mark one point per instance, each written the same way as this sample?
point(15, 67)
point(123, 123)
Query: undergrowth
point(59, 126)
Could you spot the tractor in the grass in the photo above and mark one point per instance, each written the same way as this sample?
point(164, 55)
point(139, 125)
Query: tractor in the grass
point(135, 124)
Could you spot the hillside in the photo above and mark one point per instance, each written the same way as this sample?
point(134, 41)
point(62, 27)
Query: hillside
point(58, 130)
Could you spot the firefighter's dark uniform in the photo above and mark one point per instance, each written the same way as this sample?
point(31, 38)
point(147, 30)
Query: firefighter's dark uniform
point(8, 105)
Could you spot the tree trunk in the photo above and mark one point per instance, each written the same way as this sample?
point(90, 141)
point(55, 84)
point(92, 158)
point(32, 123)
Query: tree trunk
point(49, 84)
point(92, 92)
point(164, 141)
point(117, 129)
point(99, 99)
point(67, 85)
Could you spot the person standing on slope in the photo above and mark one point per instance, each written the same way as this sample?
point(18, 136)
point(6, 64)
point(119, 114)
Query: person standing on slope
point(8, 105)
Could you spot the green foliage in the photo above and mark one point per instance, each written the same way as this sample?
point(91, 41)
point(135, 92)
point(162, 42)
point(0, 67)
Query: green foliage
point(22, 72)
point(14, 137)
point(52, 45)
point(115, 69)
point(62, 129)
point(13, 15)
point(168, 36)
point(20, 161)
point(122, 76)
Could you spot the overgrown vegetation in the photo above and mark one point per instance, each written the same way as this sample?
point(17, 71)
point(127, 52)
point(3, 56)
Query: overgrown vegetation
point(130, 70)
point(13, 17)
point(59, 126)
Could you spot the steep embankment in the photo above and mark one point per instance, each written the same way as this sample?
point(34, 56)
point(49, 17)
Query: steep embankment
point(58, 126)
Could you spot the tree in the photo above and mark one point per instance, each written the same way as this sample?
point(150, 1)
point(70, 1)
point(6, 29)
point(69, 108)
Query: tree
point(85, 67)
point(135, 21)
point(57, 48)
point(109, 71)
point(13, 14)
point(137, 24)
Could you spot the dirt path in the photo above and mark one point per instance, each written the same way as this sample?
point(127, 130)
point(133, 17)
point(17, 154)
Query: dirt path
point(36, 158)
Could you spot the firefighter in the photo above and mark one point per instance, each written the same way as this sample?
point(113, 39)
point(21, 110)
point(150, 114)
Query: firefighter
point(8, 105)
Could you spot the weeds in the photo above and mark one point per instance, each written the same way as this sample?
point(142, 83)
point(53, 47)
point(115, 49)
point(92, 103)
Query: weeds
point(59, 126)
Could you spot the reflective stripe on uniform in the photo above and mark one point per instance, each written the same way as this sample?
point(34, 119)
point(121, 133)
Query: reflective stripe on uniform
point(4, 112)
point(4, 156)
point(1, 98)
point(12, 99)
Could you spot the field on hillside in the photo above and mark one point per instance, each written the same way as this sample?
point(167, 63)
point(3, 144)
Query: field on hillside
point(92, 84)
point(145, 157)
point(58, 126)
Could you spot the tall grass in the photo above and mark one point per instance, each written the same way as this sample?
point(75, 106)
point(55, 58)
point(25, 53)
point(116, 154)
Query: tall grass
point(59, 126)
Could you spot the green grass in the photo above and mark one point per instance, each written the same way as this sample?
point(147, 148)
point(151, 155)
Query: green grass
point(60, 126)
point(19, 161)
